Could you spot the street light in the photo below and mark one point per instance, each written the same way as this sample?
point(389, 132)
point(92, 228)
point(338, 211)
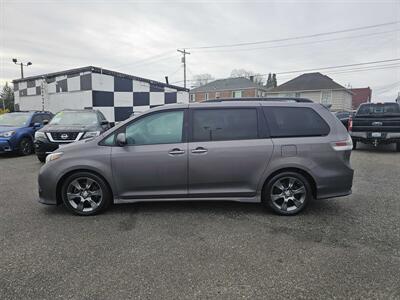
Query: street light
point(15, 61)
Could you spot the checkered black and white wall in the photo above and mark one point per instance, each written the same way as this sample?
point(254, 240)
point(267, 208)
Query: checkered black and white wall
point(117, 97)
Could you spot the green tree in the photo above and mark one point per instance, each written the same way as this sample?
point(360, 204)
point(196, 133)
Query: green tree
point(269, 81)
point(274, 82)
point(7, 97)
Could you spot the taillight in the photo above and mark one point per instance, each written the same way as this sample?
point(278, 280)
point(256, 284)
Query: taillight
point(343, 145)
point(350, 124)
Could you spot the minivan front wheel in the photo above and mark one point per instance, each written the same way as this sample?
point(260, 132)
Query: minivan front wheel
point(85, 193)
point(288, 193)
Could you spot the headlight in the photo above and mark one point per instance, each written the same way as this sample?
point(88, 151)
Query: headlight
point(53, 156)
point(40, 135)
point(7, 134)
point(91, 134)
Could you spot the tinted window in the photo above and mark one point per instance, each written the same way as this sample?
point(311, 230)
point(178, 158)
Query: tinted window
point(379, 108)
point(37, 119)
point(224, 124)
point(158, 128)
point(295, 122)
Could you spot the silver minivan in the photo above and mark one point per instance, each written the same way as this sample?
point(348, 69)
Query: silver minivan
point(279, 153)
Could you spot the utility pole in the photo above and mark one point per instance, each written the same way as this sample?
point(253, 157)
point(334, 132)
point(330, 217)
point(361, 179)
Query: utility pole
point(184, 52)
point(15, 61)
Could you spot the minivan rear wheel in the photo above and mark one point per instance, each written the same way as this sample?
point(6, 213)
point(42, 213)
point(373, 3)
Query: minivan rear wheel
point(287, 193)
point(85, 194)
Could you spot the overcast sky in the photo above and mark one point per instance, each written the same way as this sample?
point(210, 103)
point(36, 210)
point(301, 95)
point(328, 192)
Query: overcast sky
point(141, 37)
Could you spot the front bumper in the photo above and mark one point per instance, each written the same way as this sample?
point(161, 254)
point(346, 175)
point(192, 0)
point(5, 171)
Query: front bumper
point(384, 138)
point(47, 185)
point(5, 146)
point(44, 147)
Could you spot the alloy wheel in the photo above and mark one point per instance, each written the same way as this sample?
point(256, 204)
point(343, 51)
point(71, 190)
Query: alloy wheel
point(84, 194)
point(288, 194)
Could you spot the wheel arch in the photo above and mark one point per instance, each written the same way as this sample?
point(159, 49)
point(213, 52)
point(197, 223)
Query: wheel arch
point(303, 172)
point(69, 173)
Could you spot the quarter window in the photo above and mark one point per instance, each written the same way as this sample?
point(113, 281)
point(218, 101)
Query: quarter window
point(224, 124)
point(295, 122)
point(159, 128)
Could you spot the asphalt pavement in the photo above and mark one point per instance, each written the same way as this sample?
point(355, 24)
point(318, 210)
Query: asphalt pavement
point(343, 248)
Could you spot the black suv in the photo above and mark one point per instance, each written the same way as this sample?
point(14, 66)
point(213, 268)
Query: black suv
point(69, 126)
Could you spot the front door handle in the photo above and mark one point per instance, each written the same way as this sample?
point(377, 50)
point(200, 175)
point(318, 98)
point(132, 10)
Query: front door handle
point(176, 151)
point(199, 150)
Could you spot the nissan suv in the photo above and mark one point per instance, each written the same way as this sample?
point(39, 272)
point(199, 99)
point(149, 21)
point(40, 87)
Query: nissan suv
point(69, 126)
point(280, 153)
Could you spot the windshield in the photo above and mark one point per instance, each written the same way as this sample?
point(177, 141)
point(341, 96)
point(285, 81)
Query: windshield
point(74, 118)
point(14, 119)
point(379, 108)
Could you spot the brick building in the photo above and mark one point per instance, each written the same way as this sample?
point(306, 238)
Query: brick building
point(239, 87)
point(361, 95)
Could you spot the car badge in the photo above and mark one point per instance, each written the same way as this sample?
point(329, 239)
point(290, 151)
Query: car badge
point(64, 136)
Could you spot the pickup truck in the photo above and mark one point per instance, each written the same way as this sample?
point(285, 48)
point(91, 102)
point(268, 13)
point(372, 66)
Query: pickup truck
point(376, 123)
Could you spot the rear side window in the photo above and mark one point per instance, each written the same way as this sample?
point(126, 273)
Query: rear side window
point(295, 122)
point(224, 124)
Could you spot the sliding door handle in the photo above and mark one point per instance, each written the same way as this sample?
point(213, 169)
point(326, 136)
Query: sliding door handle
point(199, 150)
point(176, 151)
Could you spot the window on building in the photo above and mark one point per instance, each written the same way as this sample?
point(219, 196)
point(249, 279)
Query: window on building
point(295, 122)
point(224, 124)
point(206, 96)
point(237, 94)
point(326, 97)
point(158, 128)
point(192, 97)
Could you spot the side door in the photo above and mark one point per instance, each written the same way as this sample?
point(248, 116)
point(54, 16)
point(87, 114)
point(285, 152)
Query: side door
point(154, 162)
point(229, 150)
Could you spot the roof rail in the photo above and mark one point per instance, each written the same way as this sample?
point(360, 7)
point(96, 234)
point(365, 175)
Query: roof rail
point(283, 99)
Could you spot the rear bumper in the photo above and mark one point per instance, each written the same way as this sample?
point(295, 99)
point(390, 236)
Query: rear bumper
point(366, 138)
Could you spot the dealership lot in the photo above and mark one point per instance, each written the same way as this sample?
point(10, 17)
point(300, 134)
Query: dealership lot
point(344, 248)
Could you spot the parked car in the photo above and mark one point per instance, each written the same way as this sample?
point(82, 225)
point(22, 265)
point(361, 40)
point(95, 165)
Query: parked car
point(281, 153)
point(69, 126)
point(18, 128)
point(376, 123)
point(344, 117)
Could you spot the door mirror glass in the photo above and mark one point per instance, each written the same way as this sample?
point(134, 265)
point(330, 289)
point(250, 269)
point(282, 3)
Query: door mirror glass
point(45, 122)
point(121, 139)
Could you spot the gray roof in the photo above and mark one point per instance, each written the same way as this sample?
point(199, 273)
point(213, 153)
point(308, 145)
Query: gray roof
point(100, 71)
point(309, 82)
point(237, 83)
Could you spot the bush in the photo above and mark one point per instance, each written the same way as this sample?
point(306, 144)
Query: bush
point(3, 111)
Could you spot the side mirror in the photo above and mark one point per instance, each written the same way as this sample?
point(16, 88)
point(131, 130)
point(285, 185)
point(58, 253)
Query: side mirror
point(112, 124)
point(45, 122)
point(121, 139)
point(36, 125)
point(104, 122)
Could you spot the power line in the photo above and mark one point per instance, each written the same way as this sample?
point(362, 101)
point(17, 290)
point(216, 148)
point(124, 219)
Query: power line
point(377, 67)
point(295, 44)
point(296, 37)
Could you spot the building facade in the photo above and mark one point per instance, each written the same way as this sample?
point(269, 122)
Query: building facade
point(228, 88)
point(115, 94)
point(318, 88)
point(361, 95)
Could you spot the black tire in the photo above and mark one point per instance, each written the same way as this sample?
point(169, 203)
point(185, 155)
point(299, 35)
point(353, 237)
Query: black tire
point(25, 147)
point(41, 158)
point(354, 145)
point(102, 202)
point(398, 147)
point(295, 206)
